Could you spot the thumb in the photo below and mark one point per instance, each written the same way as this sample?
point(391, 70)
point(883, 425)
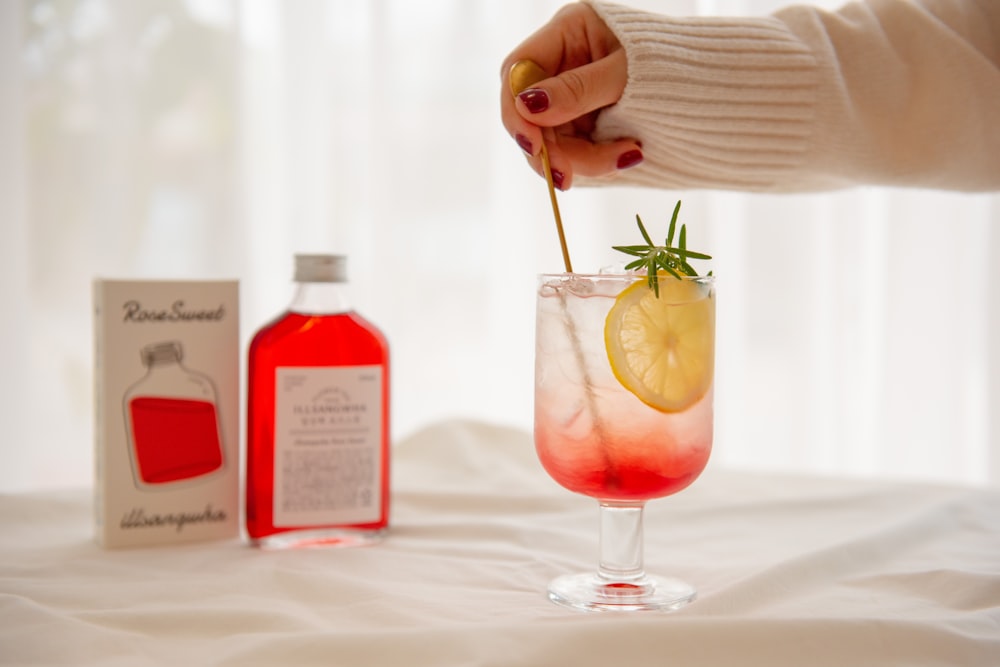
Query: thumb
point(575, 92)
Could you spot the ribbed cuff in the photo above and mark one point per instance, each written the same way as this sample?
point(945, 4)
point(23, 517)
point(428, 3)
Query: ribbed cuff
point(717, 103)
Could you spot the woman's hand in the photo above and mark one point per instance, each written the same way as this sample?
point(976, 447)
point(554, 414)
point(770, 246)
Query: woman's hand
point(588, 71)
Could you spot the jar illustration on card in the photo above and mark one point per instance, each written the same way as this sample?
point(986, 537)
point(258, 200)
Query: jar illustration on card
point(171, 416)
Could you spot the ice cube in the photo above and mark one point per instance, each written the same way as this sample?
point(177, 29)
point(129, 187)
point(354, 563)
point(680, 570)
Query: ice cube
point(579, 286)
point(564, 283)
point(617, 269)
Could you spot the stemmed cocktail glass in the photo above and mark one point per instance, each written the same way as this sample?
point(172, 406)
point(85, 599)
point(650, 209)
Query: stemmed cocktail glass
point(623, 414)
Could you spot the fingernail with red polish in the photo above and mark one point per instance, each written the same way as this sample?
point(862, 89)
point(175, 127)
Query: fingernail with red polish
point(535, 99)
point(557, 178)
point(629, 159)
point(524, 142)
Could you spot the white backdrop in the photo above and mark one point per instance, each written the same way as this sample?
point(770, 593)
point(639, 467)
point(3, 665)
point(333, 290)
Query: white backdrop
point(858, 331)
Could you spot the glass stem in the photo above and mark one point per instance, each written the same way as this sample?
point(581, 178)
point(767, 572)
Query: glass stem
point(621, 543)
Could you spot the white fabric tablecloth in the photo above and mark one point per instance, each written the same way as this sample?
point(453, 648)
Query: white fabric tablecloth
point(790, 571)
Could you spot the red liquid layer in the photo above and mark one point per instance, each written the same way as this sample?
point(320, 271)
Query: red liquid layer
point(622, 471)
point(174, 438)
point(294, 339)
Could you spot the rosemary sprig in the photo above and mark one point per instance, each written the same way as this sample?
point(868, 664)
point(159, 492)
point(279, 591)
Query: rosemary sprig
point(667, 257)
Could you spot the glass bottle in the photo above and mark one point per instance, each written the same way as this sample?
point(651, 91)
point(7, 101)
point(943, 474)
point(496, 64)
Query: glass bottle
point(318, 419)
point(172, 420)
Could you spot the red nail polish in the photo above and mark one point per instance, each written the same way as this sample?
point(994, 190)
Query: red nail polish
point(535, 99)
point(523, 142)
point(629, 159)
point(558, 178)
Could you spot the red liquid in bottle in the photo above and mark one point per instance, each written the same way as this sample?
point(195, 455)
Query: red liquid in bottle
point(174, 438)
point(307, 341)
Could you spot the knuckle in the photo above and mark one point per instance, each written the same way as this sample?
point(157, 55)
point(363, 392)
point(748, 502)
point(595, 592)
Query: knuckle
point(576, 87)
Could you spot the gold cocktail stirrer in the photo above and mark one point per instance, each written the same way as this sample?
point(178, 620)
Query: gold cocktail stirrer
point(524, 74)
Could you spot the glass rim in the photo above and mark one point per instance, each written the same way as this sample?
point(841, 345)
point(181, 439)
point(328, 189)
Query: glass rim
point(624, 277)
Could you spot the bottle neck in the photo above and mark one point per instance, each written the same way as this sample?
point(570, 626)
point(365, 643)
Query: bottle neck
point(320, 299)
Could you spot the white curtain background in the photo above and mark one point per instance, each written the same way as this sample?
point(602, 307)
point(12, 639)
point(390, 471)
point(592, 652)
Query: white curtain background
point(858, 332)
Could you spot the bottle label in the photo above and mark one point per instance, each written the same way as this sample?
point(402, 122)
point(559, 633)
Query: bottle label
point(328, 446)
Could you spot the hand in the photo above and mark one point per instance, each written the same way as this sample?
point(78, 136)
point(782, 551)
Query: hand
point(588, 71)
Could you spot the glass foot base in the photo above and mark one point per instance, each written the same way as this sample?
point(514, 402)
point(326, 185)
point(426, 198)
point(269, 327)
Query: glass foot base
point(589, 592)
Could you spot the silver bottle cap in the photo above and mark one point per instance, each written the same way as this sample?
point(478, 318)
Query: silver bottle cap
point(320, 268)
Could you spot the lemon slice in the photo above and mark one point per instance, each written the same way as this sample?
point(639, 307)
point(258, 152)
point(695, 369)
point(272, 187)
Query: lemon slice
point(662, 349)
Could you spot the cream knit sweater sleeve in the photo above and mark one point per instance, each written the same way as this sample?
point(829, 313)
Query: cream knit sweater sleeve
point(892, 92)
